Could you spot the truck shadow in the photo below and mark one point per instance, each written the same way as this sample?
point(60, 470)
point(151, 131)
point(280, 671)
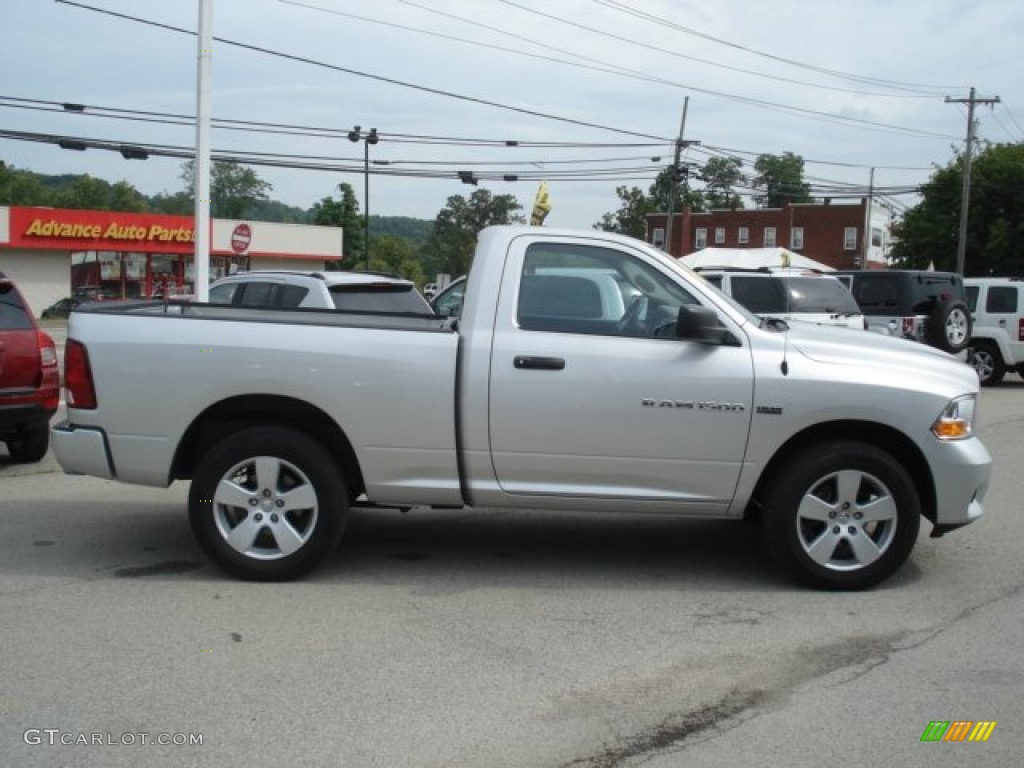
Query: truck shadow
point(467, 549)
point(429, 551)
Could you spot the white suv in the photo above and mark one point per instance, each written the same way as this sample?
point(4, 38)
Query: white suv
point(997, 338)
point(789, 294)
point(351, 291)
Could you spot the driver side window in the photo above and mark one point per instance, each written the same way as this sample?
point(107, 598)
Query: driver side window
point(571, 288)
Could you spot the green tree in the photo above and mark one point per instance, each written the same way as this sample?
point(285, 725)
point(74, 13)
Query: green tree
point(392, 254)
point(177, 204)
point(453, 238)
point(631, 218)
point(929, 232)
point(781, 177)
point(233, 188)
point(635, 206)
point(721, 175)
point(86, 193)
point(343, 213)
point(18, 187)
point(124, 197)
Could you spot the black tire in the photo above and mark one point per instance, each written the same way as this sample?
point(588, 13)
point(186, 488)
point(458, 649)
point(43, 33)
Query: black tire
point(31, 446)
point(949, 326)
point(988, 363)
point(816, 515)
point(268, 504)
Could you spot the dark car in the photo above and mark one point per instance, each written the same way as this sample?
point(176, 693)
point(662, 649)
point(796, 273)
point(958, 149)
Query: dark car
point(29, 378)
point(61, 308)
point(917, 304)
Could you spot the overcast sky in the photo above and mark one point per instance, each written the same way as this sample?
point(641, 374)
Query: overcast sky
point(591, 89)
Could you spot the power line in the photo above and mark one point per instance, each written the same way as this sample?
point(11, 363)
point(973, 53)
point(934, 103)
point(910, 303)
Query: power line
point(370, 76)
point(647, 46)
point(148, 116)
point(846, 119)
point(170, 118)
point(818, 114)
point(665, 23)
point(134, 150)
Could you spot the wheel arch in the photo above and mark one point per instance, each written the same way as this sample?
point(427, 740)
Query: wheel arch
point(998, 340)
point(884, 437)
point(236, 413)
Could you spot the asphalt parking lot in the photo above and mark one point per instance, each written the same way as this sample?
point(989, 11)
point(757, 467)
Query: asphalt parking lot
point(497, 638)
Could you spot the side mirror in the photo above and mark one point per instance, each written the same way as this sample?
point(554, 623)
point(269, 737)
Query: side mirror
point(697, 323)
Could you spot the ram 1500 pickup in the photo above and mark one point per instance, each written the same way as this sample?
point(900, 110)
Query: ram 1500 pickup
point(682, 403)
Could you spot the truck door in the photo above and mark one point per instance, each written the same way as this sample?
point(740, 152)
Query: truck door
point(588, 406)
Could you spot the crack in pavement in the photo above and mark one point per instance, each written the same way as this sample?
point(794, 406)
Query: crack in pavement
point(845, 660)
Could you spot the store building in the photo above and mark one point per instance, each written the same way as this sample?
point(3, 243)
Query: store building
point(52, 253)
point(841, 235)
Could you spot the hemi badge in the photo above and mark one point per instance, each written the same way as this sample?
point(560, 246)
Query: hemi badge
point(771, 410)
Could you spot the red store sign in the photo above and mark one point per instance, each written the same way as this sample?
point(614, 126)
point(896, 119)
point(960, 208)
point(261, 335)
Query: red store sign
point(71, 230)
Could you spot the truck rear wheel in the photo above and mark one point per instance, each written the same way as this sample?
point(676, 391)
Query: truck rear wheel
point(842, 515)
point(268, 504)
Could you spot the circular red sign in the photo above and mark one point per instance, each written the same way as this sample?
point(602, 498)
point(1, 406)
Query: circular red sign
point(240, 238)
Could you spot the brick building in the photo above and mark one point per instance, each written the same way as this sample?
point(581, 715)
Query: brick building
point(831, 233)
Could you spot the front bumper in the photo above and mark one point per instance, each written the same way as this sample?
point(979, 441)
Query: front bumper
point(962, 470)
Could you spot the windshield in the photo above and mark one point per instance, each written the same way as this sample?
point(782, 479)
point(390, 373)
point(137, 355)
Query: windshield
point(819, 295)
point(379, 297)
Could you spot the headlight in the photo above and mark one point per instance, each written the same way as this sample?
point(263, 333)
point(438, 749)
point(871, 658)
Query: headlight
point(956, 420)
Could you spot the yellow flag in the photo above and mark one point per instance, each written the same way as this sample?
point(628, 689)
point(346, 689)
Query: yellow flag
point(541, 205)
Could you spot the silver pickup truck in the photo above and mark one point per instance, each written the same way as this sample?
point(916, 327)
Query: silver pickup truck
point(839, 441)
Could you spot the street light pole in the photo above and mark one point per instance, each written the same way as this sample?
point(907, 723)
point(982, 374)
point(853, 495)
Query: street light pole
point(368, 138)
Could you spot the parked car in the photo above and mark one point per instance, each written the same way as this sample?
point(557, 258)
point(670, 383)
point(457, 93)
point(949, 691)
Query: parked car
point(60, 308)
point(997, 335)
point(29, 378)
point(788, 294)
point(448, 301)
point(352, 291)
point(922, 305)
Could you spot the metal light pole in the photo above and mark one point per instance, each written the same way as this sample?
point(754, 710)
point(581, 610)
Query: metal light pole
point(369, 138)
point(201, 166)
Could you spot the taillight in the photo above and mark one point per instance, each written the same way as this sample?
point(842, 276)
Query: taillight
point(49, 385)
point(78, 376)
point(47, 350)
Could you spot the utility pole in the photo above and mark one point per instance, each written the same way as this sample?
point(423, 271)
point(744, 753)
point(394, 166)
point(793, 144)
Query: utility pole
point(866, 239)
point(674, 184)
point(965, 194)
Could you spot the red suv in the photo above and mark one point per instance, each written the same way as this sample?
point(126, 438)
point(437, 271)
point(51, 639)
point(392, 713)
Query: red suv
point(29, 378)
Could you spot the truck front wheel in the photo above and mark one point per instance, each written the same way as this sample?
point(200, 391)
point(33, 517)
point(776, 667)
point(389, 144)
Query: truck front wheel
point(268, 504)
point(842, 515)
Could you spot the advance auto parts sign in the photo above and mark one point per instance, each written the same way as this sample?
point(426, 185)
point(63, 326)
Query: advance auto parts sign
point(100, 231)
